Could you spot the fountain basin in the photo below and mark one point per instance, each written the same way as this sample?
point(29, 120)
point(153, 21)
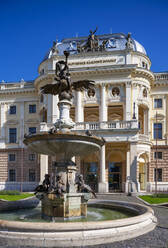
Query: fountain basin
point(69, 143)
point(71, 234)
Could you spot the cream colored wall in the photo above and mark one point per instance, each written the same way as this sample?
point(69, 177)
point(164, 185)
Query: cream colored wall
point(15, 120)
point(159, 92)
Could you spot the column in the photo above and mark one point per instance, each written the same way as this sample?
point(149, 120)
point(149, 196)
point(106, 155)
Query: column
point(103, 185)
point(55, 109)
point(127, 183)
point(52, 108)
point(43, 166)
point(146, 121)
point(133, 167)
point(49, 108)
point(128, 111)
point(79, 110)
point(103, 105)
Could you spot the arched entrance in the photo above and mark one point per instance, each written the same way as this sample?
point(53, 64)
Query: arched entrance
point(115, 162)
point(142, 170)
point(90, 170)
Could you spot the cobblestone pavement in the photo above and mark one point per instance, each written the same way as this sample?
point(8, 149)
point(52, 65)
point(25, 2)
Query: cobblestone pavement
point(158, 238)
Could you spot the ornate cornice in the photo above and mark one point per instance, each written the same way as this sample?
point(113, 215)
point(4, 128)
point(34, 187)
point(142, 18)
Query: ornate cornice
point(140, 72)
point(13, 91)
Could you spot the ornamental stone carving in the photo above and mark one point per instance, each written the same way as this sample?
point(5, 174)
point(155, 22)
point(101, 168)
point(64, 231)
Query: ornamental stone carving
point(91, 93)
point(145, 94)
point(115, 91)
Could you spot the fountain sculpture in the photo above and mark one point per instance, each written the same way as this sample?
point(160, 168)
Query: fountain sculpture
point(66, 195)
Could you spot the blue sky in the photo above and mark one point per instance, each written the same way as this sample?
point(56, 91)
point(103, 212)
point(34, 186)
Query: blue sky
point(28, 28)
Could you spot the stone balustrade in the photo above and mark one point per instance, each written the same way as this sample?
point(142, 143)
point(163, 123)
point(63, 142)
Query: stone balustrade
point(106, 125)
point(129, 125)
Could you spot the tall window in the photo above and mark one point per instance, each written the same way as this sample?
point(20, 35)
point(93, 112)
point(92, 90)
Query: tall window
point(32, 108)
point(32, 175)
point(12, 110)
point(159, 174)
point(158, 155)
point(157, 130)
point(12, 135)
point(32, 130)
point(158, 103)
point(12, 175)
point(11, 157)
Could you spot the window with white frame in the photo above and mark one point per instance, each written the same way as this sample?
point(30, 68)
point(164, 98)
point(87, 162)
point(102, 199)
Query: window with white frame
point(32, 108)
point(32, 130)
point(12, 157)
point(12, 110)
point(12, 135)
point(12, 175)
point(158, 174)
point(157, 155)
point(157, 130)
point(158, 103)
point(32, 175)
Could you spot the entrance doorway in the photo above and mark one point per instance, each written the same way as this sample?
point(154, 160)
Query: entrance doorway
point(114, 176)
point(142, 175)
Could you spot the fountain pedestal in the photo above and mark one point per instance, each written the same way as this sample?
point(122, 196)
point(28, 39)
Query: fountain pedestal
point(67, 206)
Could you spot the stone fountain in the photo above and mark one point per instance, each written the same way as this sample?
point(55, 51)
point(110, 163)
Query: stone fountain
point(66, 195)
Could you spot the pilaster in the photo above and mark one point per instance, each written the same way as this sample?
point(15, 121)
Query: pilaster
point(103, 185)
point(128, 111)
point(79, 110)
point(134, 101)
point(43, 166)
point(133, 167)
point(103, 105)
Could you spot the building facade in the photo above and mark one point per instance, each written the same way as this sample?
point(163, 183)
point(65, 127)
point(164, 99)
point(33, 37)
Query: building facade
point(128, 108)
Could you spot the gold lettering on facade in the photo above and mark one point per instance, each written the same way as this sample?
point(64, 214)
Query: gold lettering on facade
point(93, 62)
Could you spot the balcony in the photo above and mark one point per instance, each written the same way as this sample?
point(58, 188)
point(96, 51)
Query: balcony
point(109, 125)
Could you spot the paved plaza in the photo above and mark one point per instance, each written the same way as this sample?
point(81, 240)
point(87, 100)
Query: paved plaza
point(158, 238)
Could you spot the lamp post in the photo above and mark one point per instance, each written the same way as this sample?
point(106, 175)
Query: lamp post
point(156, 164)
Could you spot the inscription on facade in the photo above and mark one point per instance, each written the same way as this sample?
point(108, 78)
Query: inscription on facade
point(93, 62)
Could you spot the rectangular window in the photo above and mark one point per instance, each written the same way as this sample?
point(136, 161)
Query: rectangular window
point(32, 108)
point(158, 103)
point(159, 175)
point(12, 135)
point(157, 130)
point(32, 157)
point(12, 110)
point(158, 155)
point(32, 175)
point(12, 175)
point(11, 157)
point(32, 130)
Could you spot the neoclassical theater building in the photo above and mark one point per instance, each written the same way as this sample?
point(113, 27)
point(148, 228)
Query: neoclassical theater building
point(128, 108)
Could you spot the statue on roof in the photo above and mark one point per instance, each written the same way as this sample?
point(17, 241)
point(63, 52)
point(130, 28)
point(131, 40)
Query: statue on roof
point(129, 43)
point(55, 47)
point(63, 86)
point(92, 43)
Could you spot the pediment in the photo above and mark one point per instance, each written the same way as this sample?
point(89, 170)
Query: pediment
point(159, 117)
point(115, 117)
point(12, 122)
point(32, 121)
